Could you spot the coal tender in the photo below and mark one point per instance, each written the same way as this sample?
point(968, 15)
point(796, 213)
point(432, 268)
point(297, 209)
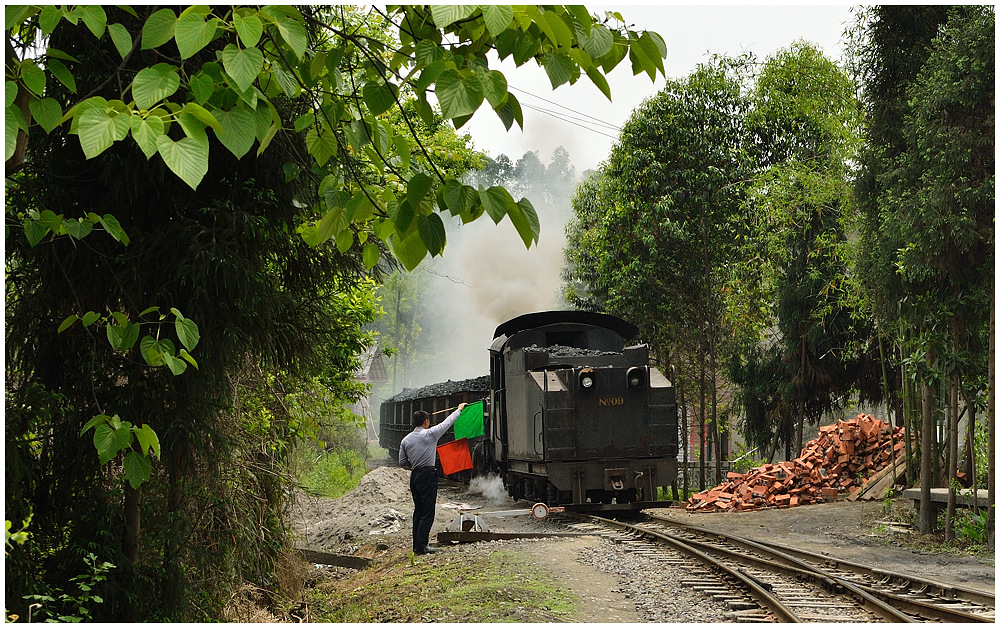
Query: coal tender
point(574, 417)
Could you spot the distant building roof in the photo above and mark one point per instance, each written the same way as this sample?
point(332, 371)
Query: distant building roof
point(373, 369)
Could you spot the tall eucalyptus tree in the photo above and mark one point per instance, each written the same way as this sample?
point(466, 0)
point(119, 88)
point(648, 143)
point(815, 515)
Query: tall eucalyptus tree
point(926, 199)
point(656, 227)
point(792, 283)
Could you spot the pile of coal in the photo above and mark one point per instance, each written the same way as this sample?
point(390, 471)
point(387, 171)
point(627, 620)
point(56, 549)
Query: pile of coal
point(560, 351)
point(444, 389)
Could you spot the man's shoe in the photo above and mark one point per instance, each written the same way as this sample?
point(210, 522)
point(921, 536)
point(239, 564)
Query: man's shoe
point(427, 550)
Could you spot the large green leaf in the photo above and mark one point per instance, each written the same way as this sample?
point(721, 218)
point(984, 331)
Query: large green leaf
point(13, 123)
point(193, 32)
point(431, 229)
point(61, 72)
point(294, 35)
point(121, 38)
point(321, 144)
point(238, 129)
point(511, 112)
point(598, 43)
point(187, 158)
point(158, 29)
point(647, 55)
point(99, 128)
point(497, 18)
point(111, 225)
point(123, 337)
point(95, 18)
point(378, 96)
point(145, 131)
point(410, 251)
point(286, 80)
point(458, 96)
point(495, 88)
point(149, 442)
point(563, 35)
point(459, 198)
point(445, 14)
point(187, 330)
point(242, 66)
point(248, 28)
point(202, 86)
point(46, 112)
point(110, 441)
point(33, 77)
point(496, 200)
point(522, 214)
point(370, 255)
point(417, 187)
point(137, 468)
point(78, 228)
point(151, 85)
point(175, 364)
point(560, 69)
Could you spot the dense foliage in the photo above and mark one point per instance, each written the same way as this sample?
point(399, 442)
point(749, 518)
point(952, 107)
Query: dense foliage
point(244, 169)
point(832, 249)
point(926, 200)
point(718, 224)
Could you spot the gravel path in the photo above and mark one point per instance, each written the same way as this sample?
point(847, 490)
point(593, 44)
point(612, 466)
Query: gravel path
point(613, 585)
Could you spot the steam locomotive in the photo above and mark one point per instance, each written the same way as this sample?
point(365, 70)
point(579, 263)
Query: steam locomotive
point(572, 415)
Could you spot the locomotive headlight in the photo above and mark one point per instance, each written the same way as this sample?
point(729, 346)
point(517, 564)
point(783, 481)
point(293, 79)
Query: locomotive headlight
point(635, 376)
point(587, 378)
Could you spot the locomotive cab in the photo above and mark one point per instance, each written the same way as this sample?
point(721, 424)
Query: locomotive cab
point(576, 416)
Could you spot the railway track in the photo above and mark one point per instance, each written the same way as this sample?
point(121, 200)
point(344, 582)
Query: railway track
point(765, 582)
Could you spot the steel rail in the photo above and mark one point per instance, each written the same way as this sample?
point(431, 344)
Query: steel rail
point(755, 588)
point(801, 569)
point(919, 607)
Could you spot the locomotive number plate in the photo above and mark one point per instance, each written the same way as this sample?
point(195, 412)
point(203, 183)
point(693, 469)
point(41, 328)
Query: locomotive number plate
point(610, 401)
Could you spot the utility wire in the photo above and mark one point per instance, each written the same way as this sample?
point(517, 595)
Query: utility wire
point(569, 120)
point(551, 102)
point(568, 117)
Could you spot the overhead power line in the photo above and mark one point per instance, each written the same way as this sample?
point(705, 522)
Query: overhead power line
point(579, 113)
point(563, 118)
point(582, 122)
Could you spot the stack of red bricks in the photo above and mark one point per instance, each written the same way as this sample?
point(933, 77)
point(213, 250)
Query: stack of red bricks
point(836, 462)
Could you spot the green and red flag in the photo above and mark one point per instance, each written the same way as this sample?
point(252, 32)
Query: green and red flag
point(470, 423)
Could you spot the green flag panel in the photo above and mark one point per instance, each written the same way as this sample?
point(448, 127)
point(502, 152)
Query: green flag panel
point(470, 422)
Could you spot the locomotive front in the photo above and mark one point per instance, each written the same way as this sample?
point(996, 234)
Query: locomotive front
point(577, 417)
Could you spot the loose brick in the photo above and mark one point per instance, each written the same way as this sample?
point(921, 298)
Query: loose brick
point(827, 465)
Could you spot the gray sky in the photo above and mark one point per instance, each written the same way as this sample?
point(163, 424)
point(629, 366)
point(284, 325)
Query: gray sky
point(692, 34)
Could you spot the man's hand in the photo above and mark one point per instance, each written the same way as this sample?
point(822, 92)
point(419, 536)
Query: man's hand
point(461, 405)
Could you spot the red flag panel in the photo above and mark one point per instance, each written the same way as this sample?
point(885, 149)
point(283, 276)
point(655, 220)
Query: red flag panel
point(455, 456)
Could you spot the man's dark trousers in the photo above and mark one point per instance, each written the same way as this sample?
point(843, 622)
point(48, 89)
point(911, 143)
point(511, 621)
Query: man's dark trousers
point(423, 487)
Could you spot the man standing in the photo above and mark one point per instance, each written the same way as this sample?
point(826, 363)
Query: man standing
point(418, 452)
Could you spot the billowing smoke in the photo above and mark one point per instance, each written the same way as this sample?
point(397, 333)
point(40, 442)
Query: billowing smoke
point(487, 276)
point(491, 488)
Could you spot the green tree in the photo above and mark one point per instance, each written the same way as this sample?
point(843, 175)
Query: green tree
point(791, 285)
point(654, 229)
point(926, 195)
point(247, 166)
point(224, 72)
